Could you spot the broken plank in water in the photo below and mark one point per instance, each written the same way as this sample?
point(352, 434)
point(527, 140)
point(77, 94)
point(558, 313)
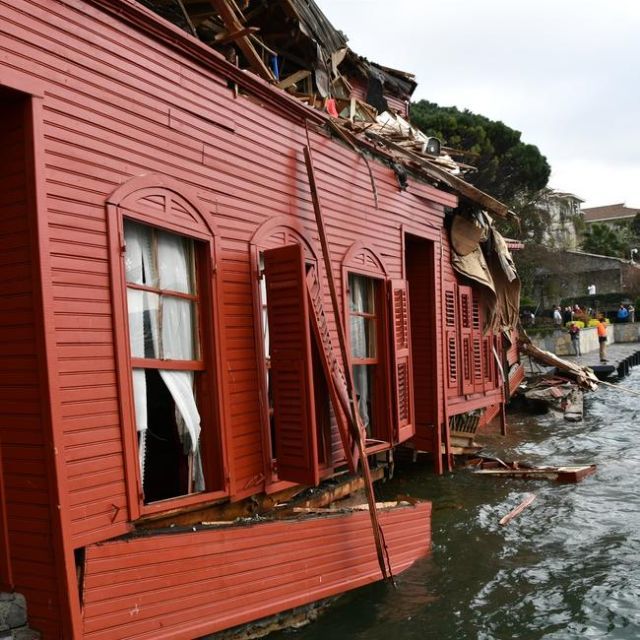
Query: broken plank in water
point(566, 475)
point(518, 510)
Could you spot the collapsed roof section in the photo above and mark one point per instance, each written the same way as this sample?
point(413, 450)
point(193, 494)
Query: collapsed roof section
point(292, 45)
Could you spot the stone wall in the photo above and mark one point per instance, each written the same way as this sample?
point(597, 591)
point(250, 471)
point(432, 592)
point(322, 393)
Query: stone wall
point(627, 332)
point(559, 340)
point(565, 274)
point(13, 618)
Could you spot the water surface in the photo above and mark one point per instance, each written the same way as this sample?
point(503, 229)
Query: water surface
point(567, 567)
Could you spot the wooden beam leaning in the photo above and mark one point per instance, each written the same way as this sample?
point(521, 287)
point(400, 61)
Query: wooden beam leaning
point(353, 416)
point(227, 37)
point(438, 173)
point(293, 78)
point(234, 25)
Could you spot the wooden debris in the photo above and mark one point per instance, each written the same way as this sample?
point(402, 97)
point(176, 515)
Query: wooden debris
point(518, 510)
point(560, 395)
point(566, 475)
point(293, 78)
point(234, 26)
point(492, 466)
point(226, 37)
point(357, 507)
point(584, 376)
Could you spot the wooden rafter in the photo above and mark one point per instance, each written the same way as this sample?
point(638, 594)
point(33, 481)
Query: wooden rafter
point(234, 25)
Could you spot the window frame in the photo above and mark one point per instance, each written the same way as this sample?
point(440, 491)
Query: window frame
point(360, 260)
point(182, 217)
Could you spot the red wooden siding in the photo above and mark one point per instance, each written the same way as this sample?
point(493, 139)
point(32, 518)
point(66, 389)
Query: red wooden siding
point(23, 447)
point(186, 585)
point(121, 101)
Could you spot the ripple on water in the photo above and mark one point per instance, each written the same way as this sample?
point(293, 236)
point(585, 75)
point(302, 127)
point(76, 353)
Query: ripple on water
point(567, 568)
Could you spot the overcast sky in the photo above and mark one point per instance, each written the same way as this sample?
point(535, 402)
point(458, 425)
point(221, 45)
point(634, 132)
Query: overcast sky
point(566, 73)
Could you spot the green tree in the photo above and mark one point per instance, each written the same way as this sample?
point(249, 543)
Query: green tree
point(507, 168)
point(605, 241)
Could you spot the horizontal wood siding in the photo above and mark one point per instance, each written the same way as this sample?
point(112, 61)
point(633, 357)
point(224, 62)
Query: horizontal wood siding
point(22, 424)
point(186, 585)
point(119, 104)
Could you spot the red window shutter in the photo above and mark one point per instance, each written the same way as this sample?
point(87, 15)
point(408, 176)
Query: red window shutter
point(466, 338)
point(488, 361)
point(333, 370)
point(291, 365)
point(451, 338)
point(476, 342)
point(402, 367)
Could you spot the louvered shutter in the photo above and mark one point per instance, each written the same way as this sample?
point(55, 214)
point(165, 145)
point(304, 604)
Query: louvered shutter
point(488, 361)
point(451, 338)
point(466, 338)
point(402, 366)
point(291, 365)
point(476, 345)
point(333, 371)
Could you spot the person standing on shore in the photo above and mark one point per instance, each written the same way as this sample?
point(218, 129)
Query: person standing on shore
point(557, 316)
point(574, 332)
point(623, 314)
point(632, 313)
point(602, 338)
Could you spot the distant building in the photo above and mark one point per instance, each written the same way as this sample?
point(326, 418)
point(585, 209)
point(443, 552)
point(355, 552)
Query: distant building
point(611, 214)
point(563, 274)
point(564, 216)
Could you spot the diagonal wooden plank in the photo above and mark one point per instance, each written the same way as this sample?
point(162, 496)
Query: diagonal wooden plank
point(234, 25)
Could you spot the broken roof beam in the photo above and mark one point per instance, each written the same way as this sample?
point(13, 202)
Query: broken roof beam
point(294, 78)
point(234, 25)
point(437, 173)
point(228, 36)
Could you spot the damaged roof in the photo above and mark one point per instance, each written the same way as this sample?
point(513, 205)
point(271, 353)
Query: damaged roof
point(293, 46)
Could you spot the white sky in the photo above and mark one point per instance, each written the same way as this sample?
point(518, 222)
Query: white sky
point(566, 73)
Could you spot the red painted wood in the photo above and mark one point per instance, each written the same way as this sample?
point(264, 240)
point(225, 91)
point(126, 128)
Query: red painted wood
point(332, 367)
point(28, 501)
point(404, 413)
point(291, 369)
point(190, 584)
point(124, 97)
point(465, 315)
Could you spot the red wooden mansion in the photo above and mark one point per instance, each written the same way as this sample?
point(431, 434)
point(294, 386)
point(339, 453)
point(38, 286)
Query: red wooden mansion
point(170, 331)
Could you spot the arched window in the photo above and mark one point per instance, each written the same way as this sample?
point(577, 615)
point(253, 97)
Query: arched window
point(165, 337)
point(296, 439)
point(377, 317)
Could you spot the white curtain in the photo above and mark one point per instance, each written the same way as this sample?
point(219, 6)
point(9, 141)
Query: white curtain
point(180, 385)
point(362, 300)
point(361, 375)
point(265, 315)
point(363, 339)
point(174, 263)
point(177, 329)
point(163, 327)
point(139, 264)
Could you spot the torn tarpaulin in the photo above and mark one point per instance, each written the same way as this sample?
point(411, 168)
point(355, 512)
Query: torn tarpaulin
point(488, 262)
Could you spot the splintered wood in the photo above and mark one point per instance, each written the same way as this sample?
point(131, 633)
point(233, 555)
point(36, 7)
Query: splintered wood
point(518, 510)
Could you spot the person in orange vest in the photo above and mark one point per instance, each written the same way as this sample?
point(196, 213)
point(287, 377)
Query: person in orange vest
point(602, 337)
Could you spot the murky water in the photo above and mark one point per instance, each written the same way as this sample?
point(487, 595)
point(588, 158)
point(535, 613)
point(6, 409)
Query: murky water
point(567, 567)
